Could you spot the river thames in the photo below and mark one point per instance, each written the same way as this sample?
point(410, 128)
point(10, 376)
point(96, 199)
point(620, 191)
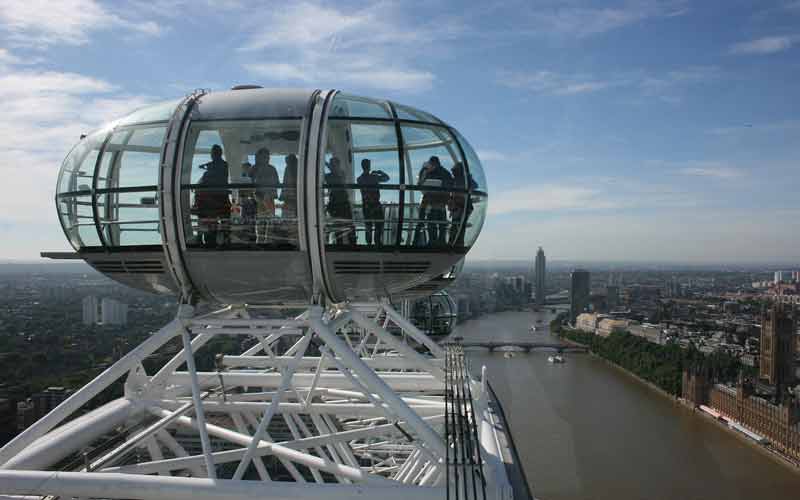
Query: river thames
point(585, 430)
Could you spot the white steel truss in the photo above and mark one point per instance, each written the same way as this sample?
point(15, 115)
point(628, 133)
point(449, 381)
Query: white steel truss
point(334, 403)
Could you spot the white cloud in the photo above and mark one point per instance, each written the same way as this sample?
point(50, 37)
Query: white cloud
point(550, 82)
point(581, 22)
point(678, 235)
point(45, 113)
point(714, 171)
point(372, 47)
point(549, 197)
point(7, 57)
point(490, 155)
point(766, 45)
point(42, 23)
point(350, 72)
point(665, 86)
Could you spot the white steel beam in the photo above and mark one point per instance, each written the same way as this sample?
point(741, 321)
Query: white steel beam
point(403, 382)
point(137, 487)
point(377, 363)
point(129, 444)
point(263, 449)
point(348, 409)
point(403, 348)
point(197, 398)
point(412, 331)
point(175, 447)
point(286, 377)
point(279, 451)
point(73, 435)
point(376, 384)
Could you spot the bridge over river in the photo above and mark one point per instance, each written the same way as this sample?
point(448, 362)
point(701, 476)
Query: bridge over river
point(527, 346)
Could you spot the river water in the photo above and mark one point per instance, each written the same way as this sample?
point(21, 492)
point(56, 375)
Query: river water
point(585, 430)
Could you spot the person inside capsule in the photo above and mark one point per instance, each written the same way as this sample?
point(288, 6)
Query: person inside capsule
point(212, 205)
point(432, 207)
point(265, 176)
point(371, 201)
point(289, 198)
point(338, 206)
point(459, 203)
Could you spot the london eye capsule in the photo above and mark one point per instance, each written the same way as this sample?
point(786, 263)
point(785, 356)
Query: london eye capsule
point(436, 315)
point(264, 196)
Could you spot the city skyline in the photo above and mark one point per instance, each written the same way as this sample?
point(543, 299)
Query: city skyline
point(622, 130)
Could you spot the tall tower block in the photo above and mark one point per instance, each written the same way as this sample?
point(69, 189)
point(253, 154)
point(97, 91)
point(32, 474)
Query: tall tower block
point(540, 277)
point(776, 367)
point(579, 281)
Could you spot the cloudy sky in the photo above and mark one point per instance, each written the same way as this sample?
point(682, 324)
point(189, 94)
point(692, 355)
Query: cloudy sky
point(620, 130)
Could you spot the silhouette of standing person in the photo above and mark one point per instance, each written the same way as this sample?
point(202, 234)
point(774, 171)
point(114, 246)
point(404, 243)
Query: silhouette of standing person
point(371, 198)
point(213, 207)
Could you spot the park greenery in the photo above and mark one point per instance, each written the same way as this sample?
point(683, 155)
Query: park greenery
point(661, 365)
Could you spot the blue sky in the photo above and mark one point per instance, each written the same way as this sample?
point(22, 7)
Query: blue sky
point(620, 130)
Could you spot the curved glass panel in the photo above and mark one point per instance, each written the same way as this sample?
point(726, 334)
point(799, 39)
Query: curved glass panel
point(478, 202)
point(127, 197)
point(160, 112)
point(409, 113)
point(476, 214)
point(239, 184)
point(136, 153)
point(473, 163)
point(361, 184)
point(74, 192)
point(350, 106)
point(433, 212)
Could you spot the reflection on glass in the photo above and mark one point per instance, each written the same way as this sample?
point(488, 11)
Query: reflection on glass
point(160, 112)
point(409, 113)
point(348, 106)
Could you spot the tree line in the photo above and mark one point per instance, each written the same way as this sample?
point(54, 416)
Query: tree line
point(662, 365)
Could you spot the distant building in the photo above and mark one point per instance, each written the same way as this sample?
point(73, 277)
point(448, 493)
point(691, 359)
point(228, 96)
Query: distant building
point(612, 297)
point(784, 276)
point(695, 386)
point(114, 312)
point(45, 401)
point(587, 322)
point(606, 327)
point(90, 315)
point(651, 333)
point(26, 414)
point(730, 307)
point(540, 277)
point(8, 420)
point(777, 423)
point(776, 366)
point(578, 293)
